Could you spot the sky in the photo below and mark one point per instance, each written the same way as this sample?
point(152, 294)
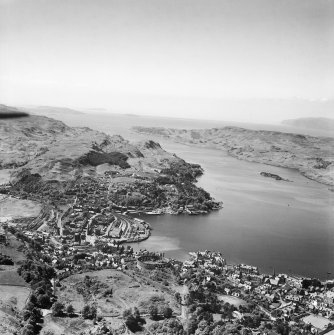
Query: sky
point(186, 58)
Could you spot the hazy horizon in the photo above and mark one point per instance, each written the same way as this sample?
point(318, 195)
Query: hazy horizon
point(259, 60)
point(266, 111)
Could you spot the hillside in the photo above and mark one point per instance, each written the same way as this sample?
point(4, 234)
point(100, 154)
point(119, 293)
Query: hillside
point(47, 157)
point(49, 147)
point(311, 156)
point(319, 123)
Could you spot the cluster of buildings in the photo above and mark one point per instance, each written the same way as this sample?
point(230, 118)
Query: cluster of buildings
point(278, 296)
point(152, 260)
point(69, 259)
point(90, 218)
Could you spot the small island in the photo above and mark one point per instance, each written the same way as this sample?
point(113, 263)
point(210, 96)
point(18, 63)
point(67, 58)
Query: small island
point(274, 176)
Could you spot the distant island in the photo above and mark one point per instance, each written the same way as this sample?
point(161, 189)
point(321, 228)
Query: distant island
point(320, 123)
point(311, 156)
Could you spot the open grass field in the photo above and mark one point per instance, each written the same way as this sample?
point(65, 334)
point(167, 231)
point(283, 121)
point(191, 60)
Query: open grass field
point(232, 300)
point(12, 249)
point(14, 296)
point(18, 208)
point(317, 321)
point(11, 277)
point(5, 176)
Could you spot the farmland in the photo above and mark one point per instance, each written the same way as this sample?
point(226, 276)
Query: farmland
point(17, 208)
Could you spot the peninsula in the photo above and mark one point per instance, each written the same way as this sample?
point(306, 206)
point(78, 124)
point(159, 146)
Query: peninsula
point(90, 185)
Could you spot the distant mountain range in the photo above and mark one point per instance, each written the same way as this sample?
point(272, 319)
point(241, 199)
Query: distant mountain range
point(320, 123)
point(49, 110)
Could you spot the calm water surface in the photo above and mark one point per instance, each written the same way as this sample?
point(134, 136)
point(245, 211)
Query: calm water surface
point(264, 222)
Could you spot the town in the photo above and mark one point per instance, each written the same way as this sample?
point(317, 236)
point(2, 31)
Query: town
point(217, 297)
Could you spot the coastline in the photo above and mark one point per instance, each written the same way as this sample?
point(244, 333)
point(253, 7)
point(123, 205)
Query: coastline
point(228, 151)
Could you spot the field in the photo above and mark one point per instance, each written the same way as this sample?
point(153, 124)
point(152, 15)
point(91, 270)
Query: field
point(15, 296)
point(12, 249)
point(317, 321)
point(232, 300)
point(14, 291)
point(5, 176)
point(10, 277)
point(18, 208)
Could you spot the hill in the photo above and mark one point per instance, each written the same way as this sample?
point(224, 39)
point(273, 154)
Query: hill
point(47, 157)
point(50, 110)
point(311, 156)
point(319, 123)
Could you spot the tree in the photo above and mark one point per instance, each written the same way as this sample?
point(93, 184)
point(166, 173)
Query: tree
point(57, 309)
point(70, 309)
point(93, 312)
point(133, 320)
point(153, 312)
point(30, 306)
point(28, 330)
point(26, 314)
point(43, 301)
point(36, 314)
point(131, 323)
point(167, 312)
point(89, 312)
point(192, 325)
point(178, 297)
point(86, 312)
point(33, 299)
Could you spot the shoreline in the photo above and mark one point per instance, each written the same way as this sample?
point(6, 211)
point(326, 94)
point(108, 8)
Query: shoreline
point(227, 151)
